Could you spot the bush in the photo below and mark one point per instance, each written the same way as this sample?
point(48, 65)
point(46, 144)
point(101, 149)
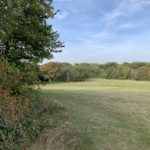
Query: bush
point(13, 99)
point(40, 116)
point(143, 73)
point(17, 102)
point(13, 103)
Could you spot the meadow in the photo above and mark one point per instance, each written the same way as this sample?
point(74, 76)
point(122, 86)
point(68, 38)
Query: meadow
point(108, 114)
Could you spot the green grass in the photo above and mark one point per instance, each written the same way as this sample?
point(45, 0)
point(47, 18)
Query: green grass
point(103, 85)
point(108, 114)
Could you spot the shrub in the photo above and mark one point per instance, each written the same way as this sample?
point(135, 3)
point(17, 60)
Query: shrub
point(13, 98)
point(14, 103)
point(40, 116)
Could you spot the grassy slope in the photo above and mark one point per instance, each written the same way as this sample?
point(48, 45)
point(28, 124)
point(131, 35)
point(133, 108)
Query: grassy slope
point(110, 114)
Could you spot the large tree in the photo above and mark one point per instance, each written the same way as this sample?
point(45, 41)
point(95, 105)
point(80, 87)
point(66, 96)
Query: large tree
point(25, 35)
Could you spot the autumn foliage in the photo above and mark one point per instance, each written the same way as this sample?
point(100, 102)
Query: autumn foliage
point(12, 101)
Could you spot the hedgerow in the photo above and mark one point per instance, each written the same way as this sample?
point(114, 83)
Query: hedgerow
point(24, 114)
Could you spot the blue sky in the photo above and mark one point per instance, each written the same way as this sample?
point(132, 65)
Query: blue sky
point(100, 31)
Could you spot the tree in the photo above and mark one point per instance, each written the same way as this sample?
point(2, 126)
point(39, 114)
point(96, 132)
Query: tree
point(25, 35)
point(51, 71)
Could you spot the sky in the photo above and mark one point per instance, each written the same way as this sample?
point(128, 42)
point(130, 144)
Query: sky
point(100, 31)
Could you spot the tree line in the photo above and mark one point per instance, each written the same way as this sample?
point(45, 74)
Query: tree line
point(56, 71)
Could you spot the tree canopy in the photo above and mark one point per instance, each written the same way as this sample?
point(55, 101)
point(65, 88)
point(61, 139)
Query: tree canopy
point(55, 71)
point(25, 35)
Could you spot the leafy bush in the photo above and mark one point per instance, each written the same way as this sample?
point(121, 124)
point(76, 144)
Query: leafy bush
point(23, 113)
point(13, 99)
point(13, 103)
point(40, 116)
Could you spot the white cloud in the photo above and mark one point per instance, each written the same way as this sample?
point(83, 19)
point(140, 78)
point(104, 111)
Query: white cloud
point(126, 8)
point(126, 25)
point(117, 18)
point(120, 36)
point(107, 34)
point(96, 52)
point(103, 35)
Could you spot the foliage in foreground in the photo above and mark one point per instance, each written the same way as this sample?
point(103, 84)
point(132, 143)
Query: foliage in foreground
point(25, 35)
point(41, 115)
point(24, 113)
point(25, 40)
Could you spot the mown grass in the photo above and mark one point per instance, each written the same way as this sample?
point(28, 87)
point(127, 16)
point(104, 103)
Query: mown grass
point(103, 85)
point(107, 114)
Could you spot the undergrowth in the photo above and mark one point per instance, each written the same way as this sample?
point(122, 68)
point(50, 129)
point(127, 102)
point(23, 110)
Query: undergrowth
point(24, 112)
point(41, 115)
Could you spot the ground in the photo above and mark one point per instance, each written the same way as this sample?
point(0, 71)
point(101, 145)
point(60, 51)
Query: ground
point(109, 114)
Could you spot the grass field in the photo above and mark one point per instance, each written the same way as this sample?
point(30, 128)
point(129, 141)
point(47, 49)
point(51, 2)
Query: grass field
point(110, 114)
point(102, 85)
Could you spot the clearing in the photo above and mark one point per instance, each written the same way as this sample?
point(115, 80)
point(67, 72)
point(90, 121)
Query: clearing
point(110, 114)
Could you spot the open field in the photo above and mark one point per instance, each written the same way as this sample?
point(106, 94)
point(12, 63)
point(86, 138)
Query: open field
point(110, 114)
point(102, 85)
